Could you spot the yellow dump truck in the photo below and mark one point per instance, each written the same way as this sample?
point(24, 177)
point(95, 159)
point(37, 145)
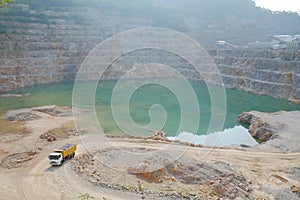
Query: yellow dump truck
point(58, 156)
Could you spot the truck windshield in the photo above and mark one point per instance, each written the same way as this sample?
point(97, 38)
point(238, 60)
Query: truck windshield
point(54, 157)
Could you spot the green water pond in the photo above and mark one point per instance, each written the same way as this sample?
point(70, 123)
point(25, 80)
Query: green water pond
point(143, 98)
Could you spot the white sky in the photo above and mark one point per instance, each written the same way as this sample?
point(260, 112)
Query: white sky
point(279, 5)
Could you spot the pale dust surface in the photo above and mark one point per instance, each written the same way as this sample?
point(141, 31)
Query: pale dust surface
point(266, 168)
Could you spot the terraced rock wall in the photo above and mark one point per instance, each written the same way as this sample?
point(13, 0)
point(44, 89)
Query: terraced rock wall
point(269, 72)
point(51, 46)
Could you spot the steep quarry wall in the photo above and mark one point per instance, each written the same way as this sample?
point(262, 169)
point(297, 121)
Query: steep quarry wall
point(50, 45)
point(51, 48)
point(268, 72)
point(274, 73)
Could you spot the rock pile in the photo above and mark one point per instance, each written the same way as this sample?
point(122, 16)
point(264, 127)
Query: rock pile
point(227, 186)
point(82, 162)
point(18, 159)
point(259, 129)
point(217, 180)
point(26, 116)
point(212, 180)
point(76, 131)
point(159, 135)
point(48, 136)
point(156, 176)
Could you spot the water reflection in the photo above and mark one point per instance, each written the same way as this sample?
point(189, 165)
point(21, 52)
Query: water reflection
point(234, 136)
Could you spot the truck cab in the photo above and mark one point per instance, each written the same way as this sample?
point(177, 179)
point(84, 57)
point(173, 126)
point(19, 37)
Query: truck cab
point(55, 159)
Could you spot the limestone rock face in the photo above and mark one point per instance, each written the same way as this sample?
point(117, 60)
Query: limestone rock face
point(280, 130)
point(51, 51)
point(268, 72)
point(245, 118)
point(258, 128)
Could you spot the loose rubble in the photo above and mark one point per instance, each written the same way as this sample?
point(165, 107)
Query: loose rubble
point(213, 180)
point(48, 136)
point(27, 116)
point(18, 159)
point(70, 133)
point(76, 131)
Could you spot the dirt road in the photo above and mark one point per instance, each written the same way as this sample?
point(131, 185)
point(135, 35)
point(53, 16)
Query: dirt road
point(36, 179)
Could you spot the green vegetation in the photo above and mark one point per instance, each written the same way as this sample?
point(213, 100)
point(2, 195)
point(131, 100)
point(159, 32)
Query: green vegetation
point(4, 3)
point(85, 196)
point(238, 22)
point(9, 127)
point(62, 131)
point(128, 187)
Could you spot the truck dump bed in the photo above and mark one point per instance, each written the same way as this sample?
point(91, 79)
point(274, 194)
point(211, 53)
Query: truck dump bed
point(66, 150)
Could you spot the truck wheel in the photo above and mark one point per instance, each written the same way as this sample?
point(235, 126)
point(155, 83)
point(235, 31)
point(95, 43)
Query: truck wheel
point(73, 155)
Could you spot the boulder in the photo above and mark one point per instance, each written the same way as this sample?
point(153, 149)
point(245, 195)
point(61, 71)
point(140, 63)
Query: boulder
point(259, 129)
point(245, 118)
